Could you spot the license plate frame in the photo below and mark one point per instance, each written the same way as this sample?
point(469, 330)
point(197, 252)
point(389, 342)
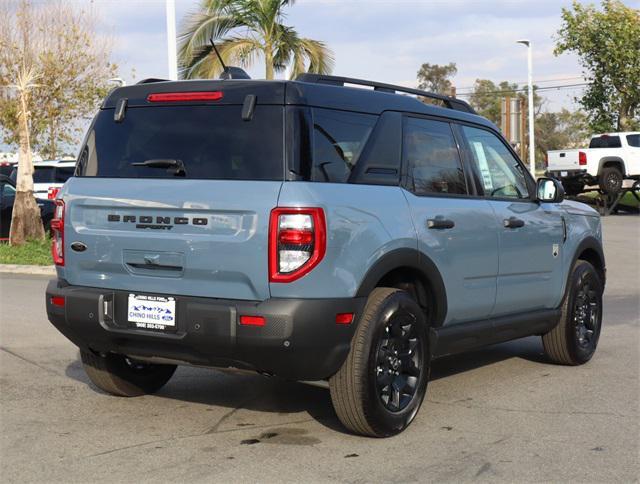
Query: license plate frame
point(152, 312)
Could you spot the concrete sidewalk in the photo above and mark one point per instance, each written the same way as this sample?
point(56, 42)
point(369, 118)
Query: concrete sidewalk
point(29, 270)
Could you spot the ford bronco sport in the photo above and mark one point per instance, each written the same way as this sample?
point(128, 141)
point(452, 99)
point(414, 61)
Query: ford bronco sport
point(317, 231)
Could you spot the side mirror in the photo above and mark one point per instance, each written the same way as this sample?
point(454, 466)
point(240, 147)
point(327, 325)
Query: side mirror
point(549, 190)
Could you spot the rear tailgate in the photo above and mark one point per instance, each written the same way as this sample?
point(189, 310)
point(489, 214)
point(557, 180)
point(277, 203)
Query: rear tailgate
point(563, 160)
point(174, 197)
point(184, 237)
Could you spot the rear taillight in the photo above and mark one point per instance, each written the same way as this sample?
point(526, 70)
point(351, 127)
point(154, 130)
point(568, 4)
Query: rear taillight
point(57, 232)
point(546, 160)
point(582, 158)
point(297, 242)
point(52, 193)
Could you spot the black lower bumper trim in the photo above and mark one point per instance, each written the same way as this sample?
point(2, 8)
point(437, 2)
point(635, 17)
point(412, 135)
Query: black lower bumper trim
point(300, 339)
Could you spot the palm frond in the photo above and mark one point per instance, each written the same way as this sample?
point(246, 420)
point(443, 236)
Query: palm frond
point(233, 50)
point(316, 53)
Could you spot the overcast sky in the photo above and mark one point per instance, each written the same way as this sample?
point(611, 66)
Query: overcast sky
point(385, 40)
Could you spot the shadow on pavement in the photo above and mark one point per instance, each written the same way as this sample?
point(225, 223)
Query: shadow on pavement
point(274, 395)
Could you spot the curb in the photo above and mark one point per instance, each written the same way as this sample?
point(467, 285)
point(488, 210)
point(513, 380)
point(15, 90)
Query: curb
point(30, 270)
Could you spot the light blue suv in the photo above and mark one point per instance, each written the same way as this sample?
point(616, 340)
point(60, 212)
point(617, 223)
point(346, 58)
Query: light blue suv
point(315, 231)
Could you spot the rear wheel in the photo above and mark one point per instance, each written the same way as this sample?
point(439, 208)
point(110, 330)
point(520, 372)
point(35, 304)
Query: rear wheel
point(611, 180)
point(575, 338)
point(123, 376)
point(381, 385)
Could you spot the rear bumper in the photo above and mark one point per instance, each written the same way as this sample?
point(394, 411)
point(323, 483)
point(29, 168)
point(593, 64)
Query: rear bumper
point(300, 340)
point(577, 175)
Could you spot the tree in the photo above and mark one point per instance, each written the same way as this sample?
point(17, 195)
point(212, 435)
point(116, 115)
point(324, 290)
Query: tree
point(608, 45)
point(60, 43)
point(242, 30)
point(561, 130)
point(486, 98)
point(436, 78)
point(26, 223)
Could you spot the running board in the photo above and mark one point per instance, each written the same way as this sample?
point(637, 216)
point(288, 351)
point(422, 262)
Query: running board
point(457, 338)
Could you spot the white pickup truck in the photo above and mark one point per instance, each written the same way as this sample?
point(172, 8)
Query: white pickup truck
point(610, 159)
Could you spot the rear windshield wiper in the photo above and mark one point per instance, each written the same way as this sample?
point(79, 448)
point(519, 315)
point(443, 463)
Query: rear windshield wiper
point(175, 167)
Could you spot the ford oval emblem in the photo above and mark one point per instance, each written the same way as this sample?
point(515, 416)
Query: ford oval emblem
point(78, 246)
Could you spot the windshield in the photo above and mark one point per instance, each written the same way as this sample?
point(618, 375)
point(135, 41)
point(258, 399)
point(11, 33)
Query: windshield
point(210, 142)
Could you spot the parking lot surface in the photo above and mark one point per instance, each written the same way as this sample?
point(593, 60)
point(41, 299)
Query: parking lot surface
point(500, 414)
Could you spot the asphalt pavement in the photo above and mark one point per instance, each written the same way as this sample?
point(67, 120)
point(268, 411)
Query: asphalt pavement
point(501, 414)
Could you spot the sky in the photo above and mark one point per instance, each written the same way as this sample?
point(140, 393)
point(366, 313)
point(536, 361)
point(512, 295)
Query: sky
point(383, 40)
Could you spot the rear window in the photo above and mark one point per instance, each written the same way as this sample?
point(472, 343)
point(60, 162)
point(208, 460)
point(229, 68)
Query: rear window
point(605, 142)
point(338, 139)
point(633, 140)
point(211, 142)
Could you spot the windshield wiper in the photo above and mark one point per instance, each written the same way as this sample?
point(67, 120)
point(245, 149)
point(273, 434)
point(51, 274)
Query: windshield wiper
point(175, 167)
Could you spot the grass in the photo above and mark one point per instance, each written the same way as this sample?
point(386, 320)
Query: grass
point(37, 253)
point(629, 200)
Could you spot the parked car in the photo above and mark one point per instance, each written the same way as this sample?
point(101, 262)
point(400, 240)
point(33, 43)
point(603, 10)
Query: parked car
point(49, 175)
point(314, 231)
point(610, 159)
point(7, 199)
point(6, 167)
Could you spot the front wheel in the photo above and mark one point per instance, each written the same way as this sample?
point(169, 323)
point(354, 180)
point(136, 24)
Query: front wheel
point(378, 390)
point(125, 377)
point(574, 339)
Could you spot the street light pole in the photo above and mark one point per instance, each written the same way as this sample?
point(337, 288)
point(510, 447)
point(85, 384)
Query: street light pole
point(171, 39)
point(531, 114)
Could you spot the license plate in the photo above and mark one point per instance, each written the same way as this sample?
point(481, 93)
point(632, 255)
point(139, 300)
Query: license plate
point(563, 173)
point(152, 312)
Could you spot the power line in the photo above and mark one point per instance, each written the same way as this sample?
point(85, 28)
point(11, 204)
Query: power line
point(539, 81)
point(540, 89)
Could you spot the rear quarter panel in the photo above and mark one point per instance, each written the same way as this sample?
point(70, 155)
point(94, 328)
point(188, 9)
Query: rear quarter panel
point(363, 224)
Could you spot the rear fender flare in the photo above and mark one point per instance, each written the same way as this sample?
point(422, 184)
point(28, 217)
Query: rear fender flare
point(413, 259)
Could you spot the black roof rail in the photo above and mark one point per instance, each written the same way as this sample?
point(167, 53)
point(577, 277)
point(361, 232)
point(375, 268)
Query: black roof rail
point(151, 80)
point(449, 102)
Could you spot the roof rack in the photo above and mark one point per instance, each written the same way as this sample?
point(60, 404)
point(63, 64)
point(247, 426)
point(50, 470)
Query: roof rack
point(449, 102)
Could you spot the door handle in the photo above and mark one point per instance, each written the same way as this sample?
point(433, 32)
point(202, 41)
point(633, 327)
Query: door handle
point(513, 223)
point(440, 223)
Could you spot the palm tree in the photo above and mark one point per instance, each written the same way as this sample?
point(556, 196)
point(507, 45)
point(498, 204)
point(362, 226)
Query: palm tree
point(243, 30)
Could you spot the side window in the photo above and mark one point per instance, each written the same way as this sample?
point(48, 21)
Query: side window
point(500, 173)
point(338, 139)
point(431, 156)
point(633, 140)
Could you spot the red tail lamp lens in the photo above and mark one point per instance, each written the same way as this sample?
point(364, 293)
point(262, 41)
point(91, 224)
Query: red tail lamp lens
point(344, 318)
point(168, 97)
point(58, 301)
point(252, 321)
point(582, 158)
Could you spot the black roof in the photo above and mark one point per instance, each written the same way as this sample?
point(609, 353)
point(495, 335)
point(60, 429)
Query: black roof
point(317, 93)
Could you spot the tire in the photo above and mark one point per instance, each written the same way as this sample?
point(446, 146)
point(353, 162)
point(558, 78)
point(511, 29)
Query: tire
point(574, 339)
point(369, 397)
point(610, 180)
point(573, 188)
point(123, 377)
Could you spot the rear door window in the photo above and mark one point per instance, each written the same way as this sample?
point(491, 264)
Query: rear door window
point(211, 142)
point(338, 140)
point(633, 140)
point(431, 157)
point(605, 142)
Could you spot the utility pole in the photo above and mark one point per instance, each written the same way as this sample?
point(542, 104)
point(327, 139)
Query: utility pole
point(532, 142)
point(171, 39)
